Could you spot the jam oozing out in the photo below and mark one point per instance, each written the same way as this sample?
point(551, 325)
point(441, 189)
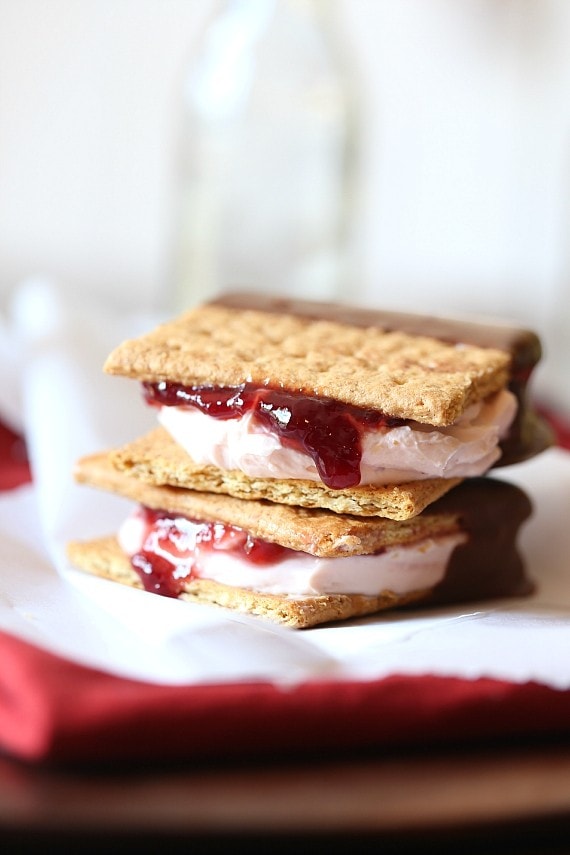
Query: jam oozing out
point(329, 432)
point(174, 546)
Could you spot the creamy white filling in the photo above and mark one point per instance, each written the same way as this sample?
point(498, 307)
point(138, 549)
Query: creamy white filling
point(411, 452)
point(400, 569)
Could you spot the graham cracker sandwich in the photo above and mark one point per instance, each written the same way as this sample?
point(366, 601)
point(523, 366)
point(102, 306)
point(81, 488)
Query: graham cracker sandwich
point(320, 405)
point(303, 567)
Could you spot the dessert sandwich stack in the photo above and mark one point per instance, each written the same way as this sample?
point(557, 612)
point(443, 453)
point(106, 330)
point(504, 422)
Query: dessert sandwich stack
point(313, 462)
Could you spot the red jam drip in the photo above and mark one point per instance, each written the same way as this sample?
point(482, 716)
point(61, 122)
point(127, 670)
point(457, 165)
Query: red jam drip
point(169, 533)
point(328, 431)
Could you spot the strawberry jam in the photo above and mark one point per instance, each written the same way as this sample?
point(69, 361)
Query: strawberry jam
point(328, 431)
point(172, 549)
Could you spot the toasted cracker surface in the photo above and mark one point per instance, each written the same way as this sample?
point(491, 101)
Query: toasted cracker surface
point(104, 558)
point(522, 344)
point(157, 459)
point(315, 531)
point(406, 376)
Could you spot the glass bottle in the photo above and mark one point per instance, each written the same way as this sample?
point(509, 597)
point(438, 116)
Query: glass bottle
point(267, 172)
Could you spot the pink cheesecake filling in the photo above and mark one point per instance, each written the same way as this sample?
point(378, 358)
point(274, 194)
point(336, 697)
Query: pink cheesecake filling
point(388, 453)
point(167, 551)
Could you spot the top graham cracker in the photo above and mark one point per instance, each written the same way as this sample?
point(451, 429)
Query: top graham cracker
point(402, 375)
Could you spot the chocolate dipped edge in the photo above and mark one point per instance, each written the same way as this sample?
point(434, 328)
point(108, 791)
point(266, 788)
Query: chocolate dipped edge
point(489, 564)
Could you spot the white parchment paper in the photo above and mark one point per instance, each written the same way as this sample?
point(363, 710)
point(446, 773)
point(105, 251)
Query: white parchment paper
point(68, 407)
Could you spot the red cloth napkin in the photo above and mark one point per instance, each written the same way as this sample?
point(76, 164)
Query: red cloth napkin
point(14, 467)
point(52, 709)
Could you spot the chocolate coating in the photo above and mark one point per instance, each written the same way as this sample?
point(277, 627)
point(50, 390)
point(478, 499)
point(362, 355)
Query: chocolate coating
point(489, 564)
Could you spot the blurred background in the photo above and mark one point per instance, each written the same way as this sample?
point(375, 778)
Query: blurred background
point(439, 155)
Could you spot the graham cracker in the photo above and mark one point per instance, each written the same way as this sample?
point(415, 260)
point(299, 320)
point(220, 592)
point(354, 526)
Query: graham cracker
point(157, 459)
point(400, 374)
point(103, 557)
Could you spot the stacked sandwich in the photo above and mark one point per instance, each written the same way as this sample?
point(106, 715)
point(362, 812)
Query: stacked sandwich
point(314, 463)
